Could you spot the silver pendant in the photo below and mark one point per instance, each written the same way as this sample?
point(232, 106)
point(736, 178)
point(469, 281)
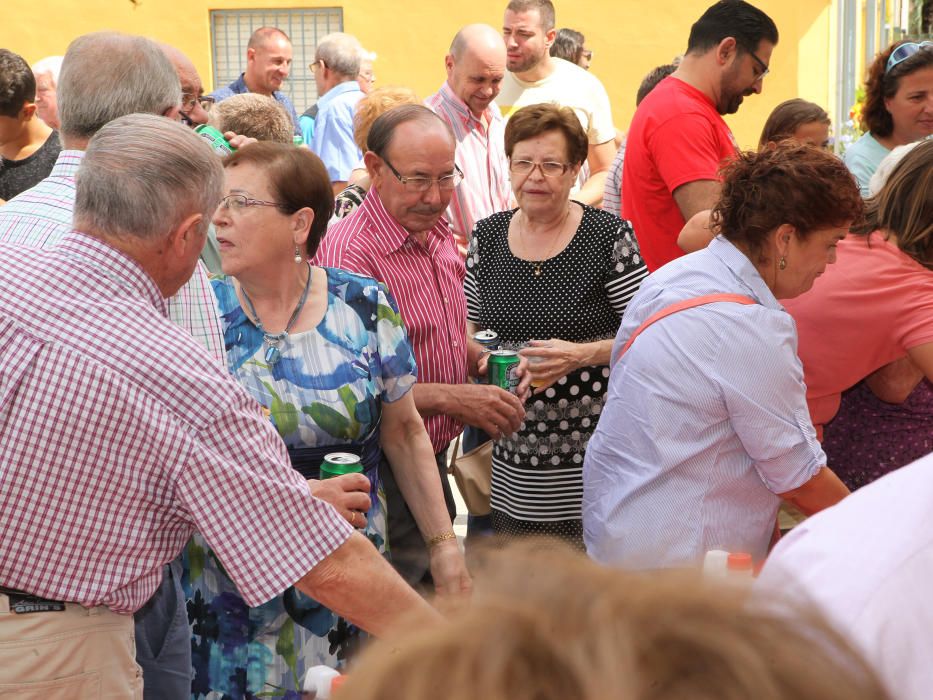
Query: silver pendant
point(272, 355)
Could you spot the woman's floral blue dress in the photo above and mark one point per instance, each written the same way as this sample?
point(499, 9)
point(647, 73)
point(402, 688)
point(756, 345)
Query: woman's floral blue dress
point(326, 389)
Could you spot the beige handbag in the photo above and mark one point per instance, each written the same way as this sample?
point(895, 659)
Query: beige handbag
point(473, 473)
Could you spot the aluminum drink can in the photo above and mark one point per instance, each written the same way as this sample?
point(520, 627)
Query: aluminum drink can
point(501, 369)
point(340, 463)
point(488, 339)
point(217, 142)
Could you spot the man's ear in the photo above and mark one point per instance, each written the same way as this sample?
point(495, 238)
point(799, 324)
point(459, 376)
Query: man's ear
point(188, 233)
point(28, 111)
point(374, 166)
point(726, 50)
point(549, 36)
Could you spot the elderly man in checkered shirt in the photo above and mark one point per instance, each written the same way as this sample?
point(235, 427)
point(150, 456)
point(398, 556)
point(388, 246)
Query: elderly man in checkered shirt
point(120, 435)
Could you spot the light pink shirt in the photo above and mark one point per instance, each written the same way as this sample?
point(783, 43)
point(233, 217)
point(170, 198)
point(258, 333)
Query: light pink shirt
point(485, 189)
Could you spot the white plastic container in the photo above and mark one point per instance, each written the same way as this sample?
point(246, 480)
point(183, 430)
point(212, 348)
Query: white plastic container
point(317, 683)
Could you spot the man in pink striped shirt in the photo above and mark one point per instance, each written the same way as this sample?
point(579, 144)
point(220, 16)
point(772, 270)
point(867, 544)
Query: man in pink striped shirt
point(398, 236)
point(120, 435)
point(475, 68)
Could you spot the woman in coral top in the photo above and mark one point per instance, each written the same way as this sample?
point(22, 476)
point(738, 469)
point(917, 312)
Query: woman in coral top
point(875, 306)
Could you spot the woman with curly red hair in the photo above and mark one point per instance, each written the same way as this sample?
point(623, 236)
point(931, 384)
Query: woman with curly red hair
point(898, 106)
point(705, 427)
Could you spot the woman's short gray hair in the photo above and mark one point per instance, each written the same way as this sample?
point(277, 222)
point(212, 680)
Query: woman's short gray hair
point(142, 175)
point(106, 75)
point(51, 65)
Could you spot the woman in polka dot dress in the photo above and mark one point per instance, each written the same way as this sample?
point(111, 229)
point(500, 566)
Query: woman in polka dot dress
point(552, 278)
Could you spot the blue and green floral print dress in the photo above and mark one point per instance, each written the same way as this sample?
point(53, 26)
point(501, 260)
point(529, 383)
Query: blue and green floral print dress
point(325, 391)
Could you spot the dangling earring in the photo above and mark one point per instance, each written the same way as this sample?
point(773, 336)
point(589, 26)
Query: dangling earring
point(783, 264)
point(298, 257)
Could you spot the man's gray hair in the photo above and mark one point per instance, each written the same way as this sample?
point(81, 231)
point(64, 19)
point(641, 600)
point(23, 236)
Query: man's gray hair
point(106, 75)
point(142, 175)
point(341, 53)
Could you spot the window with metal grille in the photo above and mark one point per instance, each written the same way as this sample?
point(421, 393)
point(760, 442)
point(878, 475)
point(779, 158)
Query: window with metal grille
point(231, 29)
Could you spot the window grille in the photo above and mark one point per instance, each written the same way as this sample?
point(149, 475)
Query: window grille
point(231, 29)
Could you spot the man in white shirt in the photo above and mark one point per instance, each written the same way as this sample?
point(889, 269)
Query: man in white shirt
point(867, 564)
point(534, 76)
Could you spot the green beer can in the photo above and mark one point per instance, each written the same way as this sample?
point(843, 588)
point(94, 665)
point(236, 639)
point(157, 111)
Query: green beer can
point(501, 369)
point(218, 143)
point(340, 463)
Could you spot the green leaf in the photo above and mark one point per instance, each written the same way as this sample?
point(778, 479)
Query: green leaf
point(349, 400)
point(285, 645)
point(284, 415)
point(329, 420)
point(387, 313)
point(196, 556)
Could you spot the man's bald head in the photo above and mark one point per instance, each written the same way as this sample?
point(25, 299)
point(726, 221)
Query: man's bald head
point(476, 38)
point(265, 34)
point(476, 66)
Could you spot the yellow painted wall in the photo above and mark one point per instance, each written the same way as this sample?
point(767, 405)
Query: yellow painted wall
point(628, 37)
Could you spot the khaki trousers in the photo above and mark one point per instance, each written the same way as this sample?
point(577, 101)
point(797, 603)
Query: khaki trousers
point(74, 654)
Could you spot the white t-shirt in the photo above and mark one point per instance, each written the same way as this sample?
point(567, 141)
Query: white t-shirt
point(867, 563)
point(569, 86)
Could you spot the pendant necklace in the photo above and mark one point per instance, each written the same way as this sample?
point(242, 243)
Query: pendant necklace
point(537, 264)
point(273, 340)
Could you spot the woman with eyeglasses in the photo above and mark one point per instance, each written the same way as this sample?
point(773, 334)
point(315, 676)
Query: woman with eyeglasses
point(551, 278)
point(326, 353)
point(898, 106)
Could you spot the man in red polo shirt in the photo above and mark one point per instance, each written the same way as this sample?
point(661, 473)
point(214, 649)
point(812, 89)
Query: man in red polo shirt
point(399, 237)
point(678, 139)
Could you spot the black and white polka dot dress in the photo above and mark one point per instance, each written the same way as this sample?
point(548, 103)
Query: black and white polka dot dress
point(580, 295)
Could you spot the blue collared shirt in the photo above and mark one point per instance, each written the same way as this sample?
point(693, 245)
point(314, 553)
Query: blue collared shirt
point(705, 421)
point(333, 130)
point(238, 87)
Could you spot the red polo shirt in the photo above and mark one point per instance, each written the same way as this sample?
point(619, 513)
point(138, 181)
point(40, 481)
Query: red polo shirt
point(677, 136)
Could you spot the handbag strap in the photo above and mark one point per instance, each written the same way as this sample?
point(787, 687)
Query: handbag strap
point(681, 306)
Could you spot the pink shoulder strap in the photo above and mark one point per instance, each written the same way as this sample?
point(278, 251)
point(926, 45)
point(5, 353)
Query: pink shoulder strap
point(681, 306)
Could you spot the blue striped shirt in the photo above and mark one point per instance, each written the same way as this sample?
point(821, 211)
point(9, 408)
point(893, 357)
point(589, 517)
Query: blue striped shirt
point(705, 421)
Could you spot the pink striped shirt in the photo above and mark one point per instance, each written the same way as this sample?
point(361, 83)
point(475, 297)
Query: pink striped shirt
point(485, 189)
point(120, 435)
point(427, 283)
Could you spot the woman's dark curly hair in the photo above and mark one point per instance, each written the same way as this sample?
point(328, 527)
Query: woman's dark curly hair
point(880, 87)
point(793, 183)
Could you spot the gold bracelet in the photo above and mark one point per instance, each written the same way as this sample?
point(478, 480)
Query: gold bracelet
point(443, 537)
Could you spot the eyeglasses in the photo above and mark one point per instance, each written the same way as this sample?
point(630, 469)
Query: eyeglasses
point(588, 55)
point(549, 168)
point(423, 184)
point(239, 202)
point(764, 66)
point(189, 102)
point(903, 52)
